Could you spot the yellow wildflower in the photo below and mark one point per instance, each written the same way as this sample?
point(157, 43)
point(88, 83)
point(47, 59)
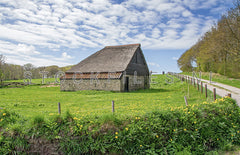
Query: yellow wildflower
point(185, 129)
point(196, 129)
point(238, 131)
point(75, 118)
point(1, 120)
point(156, 136)
point(116, 133)
point(174, 130)
point(217, 138)
point(4, 114)
point(140, 145)
point(116, 137)
point(126, 129)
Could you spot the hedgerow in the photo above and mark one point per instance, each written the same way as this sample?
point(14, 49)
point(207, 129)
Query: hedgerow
point(193, 129)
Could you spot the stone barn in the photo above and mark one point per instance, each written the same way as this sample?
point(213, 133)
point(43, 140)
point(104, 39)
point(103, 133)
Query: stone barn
point(114, 68)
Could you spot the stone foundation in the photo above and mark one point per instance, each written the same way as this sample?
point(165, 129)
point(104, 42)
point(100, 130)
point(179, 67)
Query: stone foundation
point(135, 83)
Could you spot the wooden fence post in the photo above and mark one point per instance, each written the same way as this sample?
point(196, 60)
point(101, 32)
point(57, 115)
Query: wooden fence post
point(229, 95)
point(113, 110)
point(186, 102)
point(206, 90)
point(59, 108)
point(214, 93)
point(201, 87)
point(197, 85)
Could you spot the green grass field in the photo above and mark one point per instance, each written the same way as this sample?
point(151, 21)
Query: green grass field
point(217, 78)
point(35, 81)
point(35, 100)
point(153, 121)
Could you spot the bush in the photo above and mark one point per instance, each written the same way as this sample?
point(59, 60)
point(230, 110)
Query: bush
point(207, 127)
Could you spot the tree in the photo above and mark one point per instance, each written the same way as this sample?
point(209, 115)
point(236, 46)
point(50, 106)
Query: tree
point(2, 62)
point(28, 67)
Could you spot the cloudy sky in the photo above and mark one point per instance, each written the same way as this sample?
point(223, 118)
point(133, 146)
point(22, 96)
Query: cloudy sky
point(64, 32)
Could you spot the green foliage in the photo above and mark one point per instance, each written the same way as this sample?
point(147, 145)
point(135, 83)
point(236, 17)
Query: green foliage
point(218, 50)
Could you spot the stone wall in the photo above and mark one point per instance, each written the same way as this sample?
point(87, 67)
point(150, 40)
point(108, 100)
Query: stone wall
point(87, 84)
point(136, 82)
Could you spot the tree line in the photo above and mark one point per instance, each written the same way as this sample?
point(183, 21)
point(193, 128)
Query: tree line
point(16, 72)
point(218, 50)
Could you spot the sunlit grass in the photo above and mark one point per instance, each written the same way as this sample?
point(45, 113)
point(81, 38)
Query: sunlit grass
point(217, 78)
point(35, 100)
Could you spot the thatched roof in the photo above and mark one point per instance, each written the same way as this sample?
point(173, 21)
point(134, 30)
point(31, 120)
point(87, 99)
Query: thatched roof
point(109, 59)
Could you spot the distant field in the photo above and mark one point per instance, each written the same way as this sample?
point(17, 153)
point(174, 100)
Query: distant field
point(35, 81)
point(217, 78)
point(35, 100)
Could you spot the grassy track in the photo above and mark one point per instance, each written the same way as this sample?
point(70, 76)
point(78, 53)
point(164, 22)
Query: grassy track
point(35, 100)
point(218, 78)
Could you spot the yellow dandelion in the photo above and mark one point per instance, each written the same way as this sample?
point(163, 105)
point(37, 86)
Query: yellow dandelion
point(156, 136)
point(140, 145)
point(116, 133)
point(171, 139)
point(185, 129)
point(4, 114)
point(238, 131)
point(126, 129)
point(174, 130)
point(232, 135)
point(136, 117)
point(1, 120)
point(196, 129)
point(75, 118)
point(116, 137)
point(217, 138)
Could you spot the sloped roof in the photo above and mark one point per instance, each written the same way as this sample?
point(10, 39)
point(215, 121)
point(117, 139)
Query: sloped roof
point(109, 59)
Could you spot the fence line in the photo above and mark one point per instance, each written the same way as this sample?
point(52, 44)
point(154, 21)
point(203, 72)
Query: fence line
point(192, 80)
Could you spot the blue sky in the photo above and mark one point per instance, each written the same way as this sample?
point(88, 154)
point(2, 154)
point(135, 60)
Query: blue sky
point(64, 32)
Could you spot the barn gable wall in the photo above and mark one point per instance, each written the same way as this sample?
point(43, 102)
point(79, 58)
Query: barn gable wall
point(138, 64)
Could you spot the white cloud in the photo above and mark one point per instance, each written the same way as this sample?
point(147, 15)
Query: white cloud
point(27, 50)
point(66, 56)
point(28, 26)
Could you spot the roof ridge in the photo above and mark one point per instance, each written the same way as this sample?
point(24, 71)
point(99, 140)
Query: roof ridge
point(138, 44)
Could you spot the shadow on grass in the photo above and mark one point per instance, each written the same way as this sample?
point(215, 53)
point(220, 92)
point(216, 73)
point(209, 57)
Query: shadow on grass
point(150, 91)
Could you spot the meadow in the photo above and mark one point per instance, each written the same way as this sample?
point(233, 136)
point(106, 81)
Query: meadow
point(217, 78)
point(153, 121)
point(35, 100)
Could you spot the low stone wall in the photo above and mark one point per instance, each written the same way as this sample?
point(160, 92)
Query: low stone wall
point(87, 84)
point(135, 83)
